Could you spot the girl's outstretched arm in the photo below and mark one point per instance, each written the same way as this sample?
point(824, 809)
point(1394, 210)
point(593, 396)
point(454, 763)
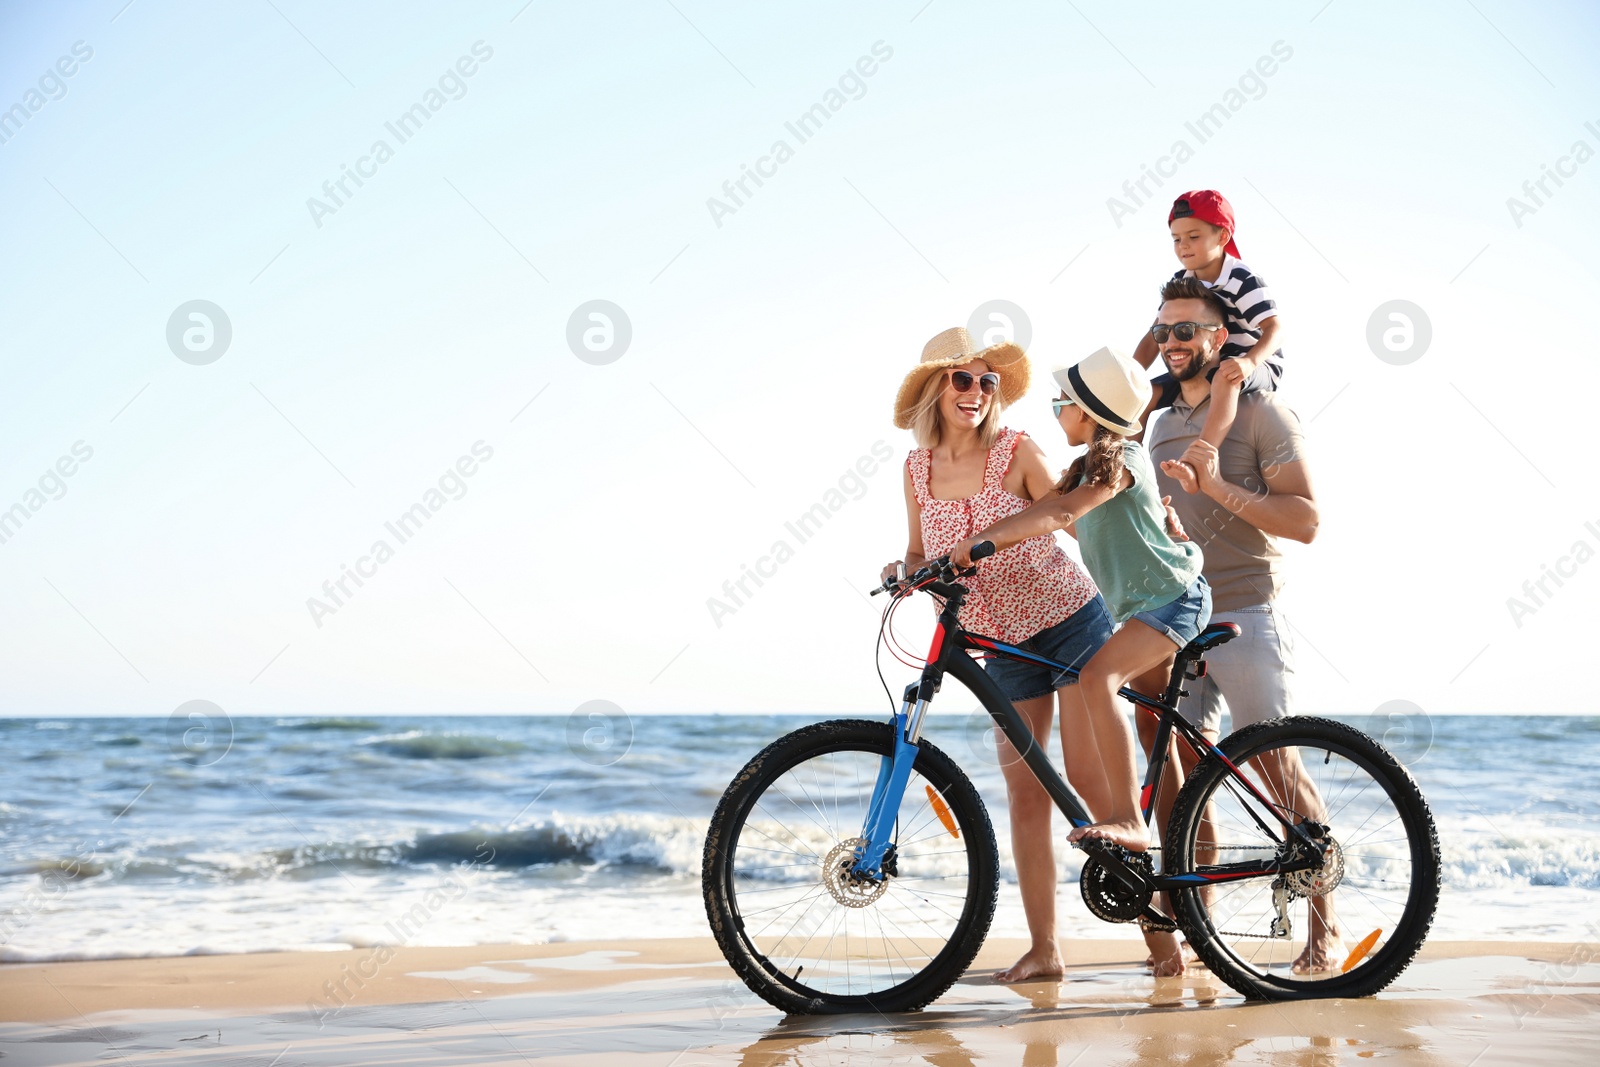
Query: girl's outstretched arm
point(1045, 517)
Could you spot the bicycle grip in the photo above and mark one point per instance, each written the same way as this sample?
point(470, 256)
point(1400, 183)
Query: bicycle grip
point(982, 550)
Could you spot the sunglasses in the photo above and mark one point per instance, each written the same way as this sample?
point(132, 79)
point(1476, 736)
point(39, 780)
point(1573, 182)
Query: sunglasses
point(1058, 406)
point(1183, 331)
point(961, 381)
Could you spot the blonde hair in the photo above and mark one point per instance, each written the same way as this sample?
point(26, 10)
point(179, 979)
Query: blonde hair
point(927, 425)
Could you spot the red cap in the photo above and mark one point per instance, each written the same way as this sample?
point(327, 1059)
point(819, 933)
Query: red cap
point(1207, 205)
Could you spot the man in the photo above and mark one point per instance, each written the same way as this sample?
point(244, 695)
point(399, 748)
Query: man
point(1236, 503)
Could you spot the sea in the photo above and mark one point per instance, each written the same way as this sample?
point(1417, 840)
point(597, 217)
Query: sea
point(128, 837)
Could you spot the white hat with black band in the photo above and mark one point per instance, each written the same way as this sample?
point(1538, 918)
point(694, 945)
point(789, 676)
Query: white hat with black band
point(1110, 388)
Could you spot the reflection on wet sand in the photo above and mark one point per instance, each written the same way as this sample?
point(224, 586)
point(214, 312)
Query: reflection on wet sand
point(672, 1004)
point(1113, 1015)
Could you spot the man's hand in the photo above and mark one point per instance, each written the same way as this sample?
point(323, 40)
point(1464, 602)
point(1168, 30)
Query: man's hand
point(1174, 524)
point(1183, 474)
point(1202, 455)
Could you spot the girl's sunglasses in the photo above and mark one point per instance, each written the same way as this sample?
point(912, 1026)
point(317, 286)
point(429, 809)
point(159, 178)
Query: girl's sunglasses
point(961, 381)
point(1058, 406)
point(1183, 331)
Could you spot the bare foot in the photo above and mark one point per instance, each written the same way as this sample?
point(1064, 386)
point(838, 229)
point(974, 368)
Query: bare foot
point(1190, 958)
point(1133, 835)
point(1041, 961)
point(1324, 951)
point(1322, 955)
point(1183, 474)
point(1166, 954)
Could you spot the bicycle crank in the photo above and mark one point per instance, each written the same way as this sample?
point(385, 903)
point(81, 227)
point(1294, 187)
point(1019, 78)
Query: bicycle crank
point(1115, 882)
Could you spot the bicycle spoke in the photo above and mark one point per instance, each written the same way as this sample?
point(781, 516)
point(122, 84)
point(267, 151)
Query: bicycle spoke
point(1369, 862)
point(801, 928)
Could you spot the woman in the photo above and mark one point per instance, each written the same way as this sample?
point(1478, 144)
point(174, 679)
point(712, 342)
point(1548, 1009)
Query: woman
point(968, 473)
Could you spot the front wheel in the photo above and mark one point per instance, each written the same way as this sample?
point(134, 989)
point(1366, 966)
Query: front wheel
point(1343, 929)
point(801, 933)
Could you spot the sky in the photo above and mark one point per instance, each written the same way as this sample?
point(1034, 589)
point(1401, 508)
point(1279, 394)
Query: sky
point(226, 379)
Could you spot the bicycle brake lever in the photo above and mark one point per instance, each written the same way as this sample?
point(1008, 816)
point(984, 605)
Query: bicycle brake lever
point(981, 550)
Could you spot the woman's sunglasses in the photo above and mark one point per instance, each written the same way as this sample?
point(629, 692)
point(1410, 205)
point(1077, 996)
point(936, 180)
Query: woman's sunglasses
point(961, 381)
point(1058, 406)
point(1183, 331)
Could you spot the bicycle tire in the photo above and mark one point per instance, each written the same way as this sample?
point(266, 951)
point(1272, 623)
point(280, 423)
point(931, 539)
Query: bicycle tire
point(1226, 931)
point(774, 966)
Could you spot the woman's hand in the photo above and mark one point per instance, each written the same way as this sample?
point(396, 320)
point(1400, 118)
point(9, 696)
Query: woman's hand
point(892, 570)
point(961, 555)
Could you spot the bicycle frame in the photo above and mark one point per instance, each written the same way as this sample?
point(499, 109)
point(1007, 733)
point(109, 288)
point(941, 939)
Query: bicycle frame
point(949, 653)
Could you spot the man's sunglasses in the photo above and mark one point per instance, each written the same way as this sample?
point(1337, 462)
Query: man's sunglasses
point(1183, 331)
point(961, 381)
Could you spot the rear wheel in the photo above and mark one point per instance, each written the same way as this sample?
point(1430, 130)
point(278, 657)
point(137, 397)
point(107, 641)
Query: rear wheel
point(1378, 886)
point(803, 934)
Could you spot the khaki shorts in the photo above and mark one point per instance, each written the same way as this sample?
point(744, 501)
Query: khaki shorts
point(1252, 675)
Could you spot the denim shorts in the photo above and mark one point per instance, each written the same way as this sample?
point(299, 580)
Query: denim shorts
point(1184, 618)
point(1071, 641)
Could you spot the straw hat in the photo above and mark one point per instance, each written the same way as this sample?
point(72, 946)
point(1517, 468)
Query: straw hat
point(1110, 388)
point(953, 348)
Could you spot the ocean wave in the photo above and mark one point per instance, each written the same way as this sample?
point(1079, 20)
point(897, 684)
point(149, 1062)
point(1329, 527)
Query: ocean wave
point(640, 843)
point(330, 723)
point(1539, 855)
point(418, 744)
point(1534, 857)
point(655, 842)
point(560, 848)
point(67, 869)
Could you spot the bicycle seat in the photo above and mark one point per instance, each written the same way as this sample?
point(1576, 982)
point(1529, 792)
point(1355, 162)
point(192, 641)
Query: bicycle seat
point(1218, 633)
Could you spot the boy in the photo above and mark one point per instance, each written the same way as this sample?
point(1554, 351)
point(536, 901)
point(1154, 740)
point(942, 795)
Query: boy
point(1252, 361)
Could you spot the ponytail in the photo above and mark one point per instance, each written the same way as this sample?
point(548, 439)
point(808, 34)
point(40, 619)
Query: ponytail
point(1100, 464)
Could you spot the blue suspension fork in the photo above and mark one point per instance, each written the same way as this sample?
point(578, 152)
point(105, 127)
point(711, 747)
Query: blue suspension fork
point(894, 771)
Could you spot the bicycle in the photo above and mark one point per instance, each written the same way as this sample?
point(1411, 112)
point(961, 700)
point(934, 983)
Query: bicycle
point(851, 865)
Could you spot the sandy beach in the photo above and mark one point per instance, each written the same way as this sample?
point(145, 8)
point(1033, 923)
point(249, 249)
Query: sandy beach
point(674, 1002)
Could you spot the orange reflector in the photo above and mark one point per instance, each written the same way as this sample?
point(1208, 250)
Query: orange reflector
point(941, 809)
point(1359, 953)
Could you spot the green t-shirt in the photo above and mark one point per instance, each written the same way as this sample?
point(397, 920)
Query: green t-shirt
point(1126, 547)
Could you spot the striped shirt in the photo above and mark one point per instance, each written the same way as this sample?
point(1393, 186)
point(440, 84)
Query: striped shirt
point(1249, 306)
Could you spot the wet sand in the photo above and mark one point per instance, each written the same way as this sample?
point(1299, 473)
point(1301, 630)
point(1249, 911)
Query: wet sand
point(674, 1002)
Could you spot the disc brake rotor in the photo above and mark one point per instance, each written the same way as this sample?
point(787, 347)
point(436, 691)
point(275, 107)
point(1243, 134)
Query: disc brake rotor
point(844, 885)
point(1322, 880)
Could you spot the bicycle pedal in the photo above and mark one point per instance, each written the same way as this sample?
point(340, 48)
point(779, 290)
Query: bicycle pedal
point(1103, 849)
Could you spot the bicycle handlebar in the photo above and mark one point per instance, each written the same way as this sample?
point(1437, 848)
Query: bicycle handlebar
point(939, 568)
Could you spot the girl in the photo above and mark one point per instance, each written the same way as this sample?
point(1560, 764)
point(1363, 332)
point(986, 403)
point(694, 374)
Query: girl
point(1152, 584)
point(969, 473)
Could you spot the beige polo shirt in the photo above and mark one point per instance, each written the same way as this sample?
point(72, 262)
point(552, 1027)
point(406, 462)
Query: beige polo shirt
point(1242, 564)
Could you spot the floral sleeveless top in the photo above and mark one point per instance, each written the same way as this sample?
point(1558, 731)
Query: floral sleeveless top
point(1016, 593)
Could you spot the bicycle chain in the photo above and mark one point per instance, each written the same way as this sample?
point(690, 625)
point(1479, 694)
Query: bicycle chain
point(1240, 848)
